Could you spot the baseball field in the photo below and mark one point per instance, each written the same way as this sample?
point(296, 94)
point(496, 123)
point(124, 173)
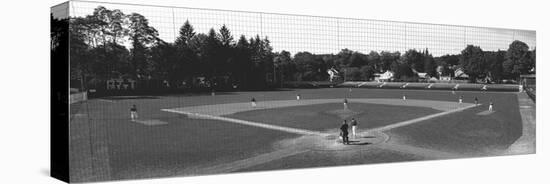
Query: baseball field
point(183, 135)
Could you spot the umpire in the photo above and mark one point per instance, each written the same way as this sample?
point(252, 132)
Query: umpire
point(344, 132)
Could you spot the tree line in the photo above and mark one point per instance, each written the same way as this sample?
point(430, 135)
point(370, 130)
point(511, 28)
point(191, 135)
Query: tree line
point(110, 44)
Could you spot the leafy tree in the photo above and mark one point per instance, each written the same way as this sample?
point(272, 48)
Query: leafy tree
point(472, 62)
point(353, 74)
point(343, 58)
point(374, 59)
point(494, 62)
point(285, 65)
point(357, 59)
point(142, 36)
point(387, 59)
point(429, 64)
point(367, 72)
point(306, 66)
point(413, 58)
point(517, 60)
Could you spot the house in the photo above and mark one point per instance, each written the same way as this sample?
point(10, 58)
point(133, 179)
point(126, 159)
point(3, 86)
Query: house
point(459, 74)
point(384, 77)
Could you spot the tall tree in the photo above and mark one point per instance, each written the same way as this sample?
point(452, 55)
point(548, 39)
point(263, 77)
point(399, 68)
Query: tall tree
point(186, 33)
point(413, 58)
point(472, 62)
point(285, 66)
point(387, 59)
point(243, 66)
point(429, 63)
point(494, 62)
point(517, 59)
point(142, 37)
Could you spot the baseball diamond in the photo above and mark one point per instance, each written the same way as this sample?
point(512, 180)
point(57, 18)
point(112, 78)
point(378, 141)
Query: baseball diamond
point(204, 134)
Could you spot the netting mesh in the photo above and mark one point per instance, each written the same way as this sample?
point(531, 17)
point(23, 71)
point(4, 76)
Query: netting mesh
point(321, 35)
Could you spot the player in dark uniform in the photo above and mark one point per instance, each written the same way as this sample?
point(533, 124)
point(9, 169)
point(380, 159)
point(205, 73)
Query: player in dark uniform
point(475, 100)
point(344, 132)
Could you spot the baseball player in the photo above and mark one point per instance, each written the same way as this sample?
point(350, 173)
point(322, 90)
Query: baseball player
point(253, 102)
point(353, 127)
point(133, 113)
point(345, 104)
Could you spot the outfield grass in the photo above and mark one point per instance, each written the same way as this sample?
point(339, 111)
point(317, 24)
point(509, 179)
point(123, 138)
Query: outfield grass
point(469, 132)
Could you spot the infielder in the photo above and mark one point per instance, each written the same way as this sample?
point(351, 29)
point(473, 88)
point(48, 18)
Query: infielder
point(353, 127)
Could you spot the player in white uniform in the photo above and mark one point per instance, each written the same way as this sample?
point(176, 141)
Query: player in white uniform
point(253, 102)
point(133, 113)
point(345, 104)
point(353, 127)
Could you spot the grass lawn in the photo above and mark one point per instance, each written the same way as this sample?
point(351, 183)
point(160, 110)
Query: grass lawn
point(101, 130)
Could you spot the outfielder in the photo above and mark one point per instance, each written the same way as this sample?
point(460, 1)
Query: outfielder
point(133, 112)
point(345, 104)
point(253, 102)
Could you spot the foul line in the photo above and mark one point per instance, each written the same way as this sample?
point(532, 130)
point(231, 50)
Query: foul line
point(249, 123)
point(408, 122)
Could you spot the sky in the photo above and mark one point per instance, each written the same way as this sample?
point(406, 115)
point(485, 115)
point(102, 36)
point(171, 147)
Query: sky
point(319, 35)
